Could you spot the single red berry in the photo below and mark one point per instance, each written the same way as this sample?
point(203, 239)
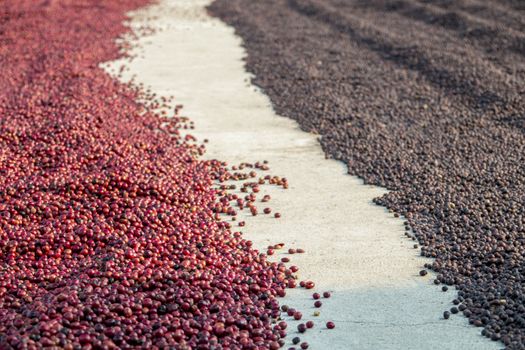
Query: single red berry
point(309, 284)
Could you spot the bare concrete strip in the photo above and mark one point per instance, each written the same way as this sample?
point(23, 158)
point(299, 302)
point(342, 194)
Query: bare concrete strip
point(354, 248)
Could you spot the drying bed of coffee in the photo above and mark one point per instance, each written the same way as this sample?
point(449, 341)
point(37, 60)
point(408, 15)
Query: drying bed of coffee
point(113, 231)
point(425, 98)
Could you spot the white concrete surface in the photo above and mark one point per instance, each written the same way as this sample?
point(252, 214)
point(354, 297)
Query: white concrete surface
point(354, 248)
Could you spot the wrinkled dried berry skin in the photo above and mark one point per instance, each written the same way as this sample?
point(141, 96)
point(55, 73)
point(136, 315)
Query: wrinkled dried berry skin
point(425, 98)
point(109, 236)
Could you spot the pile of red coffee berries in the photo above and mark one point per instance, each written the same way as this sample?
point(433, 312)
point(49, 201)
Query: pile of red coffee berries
point(110, 228)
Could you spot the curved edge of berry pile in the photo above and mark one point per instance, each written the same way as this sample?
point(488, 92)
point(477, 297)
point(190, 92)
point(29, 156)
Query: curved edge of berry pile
point(353, 249)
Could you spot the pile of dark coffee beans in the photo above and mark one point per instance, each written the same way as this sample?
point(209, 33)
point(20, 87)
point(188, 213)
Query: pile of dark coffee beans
point(425, 98)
